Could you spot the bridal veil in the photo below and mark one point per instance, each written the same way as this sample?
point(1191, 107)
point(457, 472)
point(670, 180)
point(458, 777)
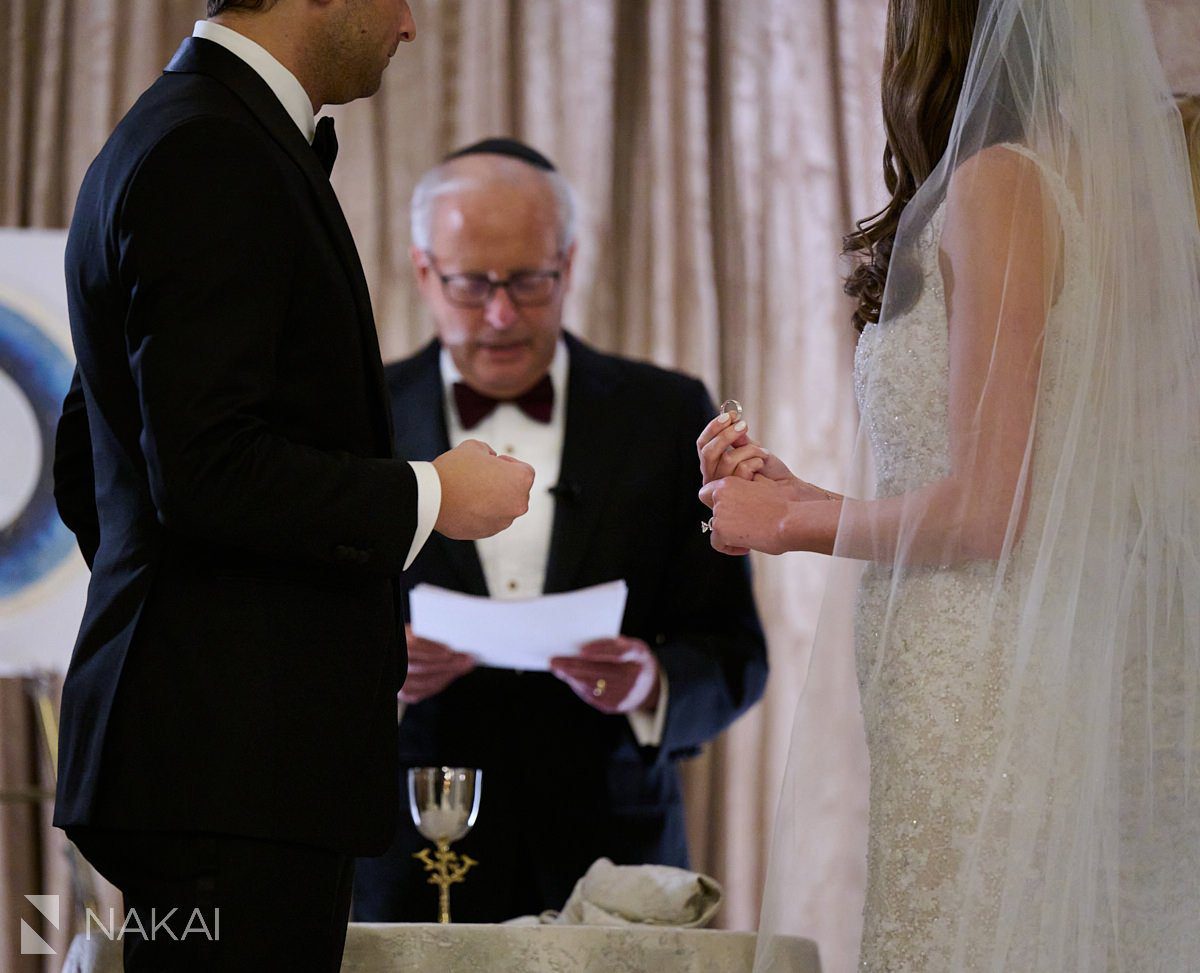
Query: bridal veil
point(1022, 559)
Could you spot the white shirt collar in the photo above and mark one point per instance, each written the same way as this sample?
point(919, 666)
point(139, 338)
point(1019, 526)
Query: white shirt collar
point(280, 80)
point(558, 371)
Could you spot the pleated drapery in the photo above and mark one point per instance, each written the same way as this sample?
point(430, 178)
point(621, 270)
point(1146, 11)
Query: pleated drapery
point(720, 149)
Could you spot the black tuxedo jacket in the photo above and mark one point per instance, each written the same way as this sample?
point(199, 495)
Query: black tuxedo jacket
point(224, 457)
point(563, 783)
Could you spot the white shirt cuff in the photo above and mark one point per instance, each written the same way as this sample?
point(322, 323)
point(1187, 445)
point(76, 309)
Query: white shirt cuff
point(429, 505)
point(648, 727)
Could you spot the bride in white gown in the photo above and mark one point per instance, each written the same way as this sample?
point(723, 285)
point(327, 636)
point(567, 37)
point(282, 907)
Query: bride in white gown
point(1024, 553)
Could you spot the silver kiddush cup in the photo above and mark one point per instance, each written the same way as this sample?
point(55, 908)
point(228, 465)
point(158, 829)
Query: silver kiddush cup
point(444, 803)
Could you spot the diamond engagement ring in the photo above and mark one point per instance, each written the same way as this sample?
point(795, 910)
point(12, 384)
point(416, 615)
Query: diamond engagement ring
point(706, 525)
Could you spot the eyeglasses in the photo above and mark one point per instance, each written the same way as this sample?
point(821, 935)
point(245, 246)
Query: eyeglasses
point(526, 288)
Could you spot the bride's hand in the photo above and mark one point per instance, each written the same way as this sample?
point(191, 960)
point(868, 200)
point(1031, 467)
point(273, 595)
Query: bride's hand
point(726, 449)
point(747, 514)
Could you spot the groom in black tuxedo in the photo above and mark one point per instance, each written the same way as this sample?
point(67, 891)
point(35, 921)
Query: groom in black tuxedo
point(579, 762)
point(228, 722)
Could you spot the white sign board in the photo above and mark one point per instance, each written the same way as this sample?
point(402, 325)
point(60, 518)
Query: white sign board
point(43, 580)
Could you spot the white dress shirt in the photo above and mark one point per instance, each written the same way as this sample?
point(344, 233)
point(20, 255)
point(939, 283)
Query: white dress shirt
point(296, 103)
point(514, 561)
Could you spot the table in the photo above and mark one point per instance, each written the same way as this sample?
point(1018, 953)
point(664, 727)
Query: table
point(466, 948)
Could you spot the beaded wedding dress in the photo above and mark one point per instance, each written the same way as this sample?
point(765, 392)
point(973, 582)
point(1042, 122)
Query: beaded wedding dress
point(1017, 565)
point(930, 704)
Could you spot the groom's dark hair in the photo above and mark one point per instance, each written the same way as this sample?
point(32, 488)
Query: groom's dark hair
point(220, 6)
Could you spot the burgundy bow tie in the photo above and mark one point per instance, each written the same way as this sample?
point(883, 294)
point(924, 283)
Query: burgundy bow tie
point(474, 407)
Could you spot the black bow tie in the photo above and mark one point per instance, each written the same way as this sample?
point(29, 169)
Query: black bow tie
point(325, 144)
point(474, 407)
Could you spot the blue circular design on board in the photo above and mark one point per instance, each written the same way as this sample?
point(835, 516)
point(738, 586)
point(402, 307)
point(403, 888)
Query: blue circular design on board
point(36, 541)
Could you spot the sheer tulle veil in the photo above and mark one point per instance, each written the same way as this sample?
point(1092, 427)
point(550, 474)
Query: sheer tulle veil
point(1063, 206)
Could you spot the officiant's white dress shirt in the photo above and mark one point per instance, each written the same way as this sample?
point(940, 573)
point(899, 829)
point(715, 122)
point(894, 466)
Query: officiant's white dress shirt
point(296, 103)
point(514, 561)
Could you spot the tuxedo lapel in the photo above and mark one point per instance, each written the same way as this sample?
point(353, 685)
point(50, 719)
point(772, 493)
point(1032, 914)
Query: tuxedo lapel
point(418, 406)
point(591, 455)
point(419, 412)
point(199, 56)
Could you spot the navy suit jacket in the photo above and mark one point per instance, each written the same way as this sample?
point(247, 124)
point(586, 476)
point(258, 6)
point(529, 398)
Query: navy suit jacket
point(564, 783)
point(223, 457)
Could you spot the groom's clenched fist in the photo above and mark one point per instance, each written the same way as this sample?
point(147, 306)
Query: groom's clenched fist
point(482, 493)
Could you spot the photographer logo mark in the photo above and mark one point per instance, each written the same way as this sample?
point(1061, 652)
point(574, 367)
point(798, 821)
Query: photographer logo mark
point(31, 943)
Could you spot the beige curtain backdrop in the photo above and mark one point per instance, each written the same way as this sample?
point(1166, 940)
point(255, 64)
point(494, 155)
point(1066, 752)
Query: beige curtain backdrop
point(720, 147)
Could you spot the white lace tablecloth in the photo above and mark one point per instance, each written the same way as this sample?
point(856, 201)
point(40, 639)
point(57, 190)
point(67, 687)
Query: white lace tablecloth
point(430, 948)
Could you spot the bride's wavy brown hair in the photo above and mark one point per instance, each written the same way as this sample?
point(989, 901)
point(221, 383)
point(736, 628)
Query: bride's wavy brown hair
point(924, 64)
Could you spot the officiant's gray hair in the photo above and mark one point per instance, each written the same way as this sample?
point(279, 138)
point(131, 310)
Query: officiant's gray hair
point(448, 178)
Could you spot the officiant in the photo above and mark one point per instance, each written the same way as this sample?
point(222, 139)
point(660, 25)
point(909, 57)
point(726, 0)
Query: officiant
point(579, 762)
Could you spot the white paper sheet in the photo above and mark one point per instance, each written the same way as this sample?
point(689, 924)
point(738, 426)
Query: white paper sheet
point(522, 634)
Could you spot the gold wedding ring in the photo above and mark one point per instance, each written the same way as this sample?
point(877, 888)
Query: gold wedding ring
point(598, 689)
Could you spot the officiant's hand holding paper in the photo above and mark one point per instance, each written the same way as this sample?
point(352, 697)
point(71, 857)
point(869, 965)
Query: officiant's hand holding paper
point(617, 675)
point(432, 667)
